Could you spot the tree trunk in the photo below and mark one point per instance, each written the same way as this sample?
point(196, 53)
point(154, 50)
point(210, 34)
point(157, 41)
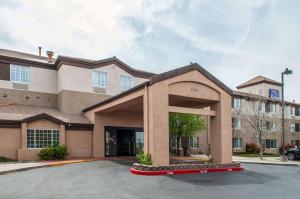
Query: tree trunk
point(261, 150)
point(177, 146)
point(261, 155)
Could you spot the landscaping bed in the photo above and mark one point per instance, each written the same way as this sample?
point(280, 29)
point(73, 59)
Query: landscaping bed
point(189, 168)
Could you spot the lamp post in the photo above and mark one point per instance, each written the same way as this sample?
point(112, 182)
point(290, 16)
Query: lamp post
point(286, 72)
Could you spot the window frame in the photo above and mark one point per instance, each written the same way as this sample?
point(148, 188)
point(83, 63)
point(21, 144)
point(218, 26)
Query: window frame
point(99, 74)
point(262, 107)
point(239, 141)
point(35, 137)
point(13, 78)
point(271, 143)
point(237, 103)
point(293, 127)
point(126, 78)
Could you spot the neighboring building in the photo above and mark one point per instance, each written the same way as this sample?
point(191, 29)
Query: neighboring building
point(268, 93)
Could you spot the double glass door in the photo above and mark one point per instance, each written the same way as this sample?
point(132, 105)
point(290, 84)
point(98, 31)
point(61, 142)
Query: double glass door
point(123, 141)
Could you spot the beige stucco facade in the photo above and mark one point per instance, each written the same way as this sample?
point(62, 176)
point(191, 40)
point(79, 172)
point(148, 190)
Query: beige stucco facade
point(149, 107)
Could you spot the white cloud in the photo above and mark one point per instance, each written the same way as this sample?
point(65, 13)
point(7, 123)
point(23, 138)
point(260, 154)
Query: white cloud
point(235, 40)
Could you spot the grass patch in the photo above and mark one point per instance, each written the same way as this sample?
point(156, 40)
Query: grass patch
point(5, 159)
point(246, 154)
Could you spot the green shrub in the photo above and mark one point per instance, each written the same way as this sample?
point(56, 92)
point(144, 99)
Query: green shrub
point(5, 159)
point(144, 159)
point(59, 152)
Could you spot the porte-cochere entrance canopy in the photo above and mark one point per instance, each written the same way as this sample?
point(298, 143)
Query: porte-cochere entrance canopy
point(190, 89)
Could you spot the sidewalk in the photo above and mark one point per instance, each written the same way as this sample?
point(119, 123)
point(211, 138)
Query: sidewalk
point(23, 166)
point(266, 160)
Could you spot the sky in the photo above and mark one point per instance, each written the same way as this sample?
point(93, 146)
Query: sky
point(235, 40)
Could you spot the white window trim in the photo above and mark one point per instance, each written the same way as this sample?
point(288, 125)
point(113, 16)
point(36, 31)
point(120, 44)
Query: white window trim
point(34, 141)
point(263, 107)
point(19, 82)
point(292, 111)
point(241, 140)
point(237, 103)
point(132, 82)
point(96, 85)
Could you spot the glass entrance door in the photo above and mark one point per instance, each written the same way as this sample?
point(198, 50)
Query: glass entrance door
point(123, 141)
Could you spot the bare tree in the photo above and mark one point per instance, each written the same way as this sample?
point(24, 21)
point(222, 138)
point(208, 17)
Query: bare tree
point(259, 117)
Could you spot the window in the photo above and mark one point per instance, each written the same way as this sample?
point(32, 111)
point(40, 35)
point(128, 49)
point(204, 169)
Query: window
point(293, 128)
point(271, 107)
point(99, 78)
point(139, 141)
point(297, 111)
point(271, 144)
point(292, 111)
point(237, 143)
point(236, 103)
point(19, 74)
point(42, 138)
point(296, 143)
point(194, 142)
point(261, 107)
point(236, 122)
point(297, 127)
point(126, 82)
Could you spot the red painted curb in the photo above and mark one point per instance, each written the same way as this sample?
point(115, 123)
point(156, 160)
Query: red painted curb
point(191, 171)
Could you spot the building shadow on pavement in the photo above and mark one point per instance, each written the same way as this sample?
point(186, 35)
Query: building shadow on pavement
point(225, 178)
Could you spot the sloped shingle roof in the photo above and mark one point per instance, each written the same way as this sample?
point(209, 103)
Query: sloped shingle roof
point(258, 80)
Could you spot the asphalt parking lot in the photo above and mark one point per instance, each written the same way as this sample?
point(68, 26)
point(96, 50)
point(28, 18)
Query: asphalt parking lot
point(107, 179)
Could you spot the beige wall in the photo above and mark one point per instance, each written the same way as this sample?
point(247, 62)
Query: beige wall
point(79, 143)
point(68, 79)
point(10, 142)
point(35, 98)
point(73, 102)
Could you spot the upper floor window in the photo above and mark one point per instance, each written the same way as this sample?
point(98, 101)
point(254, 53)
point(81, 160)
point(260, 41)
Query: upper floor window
point(99, 78)
point(292, 111)
point(236, 122)
point(236, 103)
point(126, 82)
point(297, 111)
point(261, 107)
point(271, 107)
point(19, 74)
point(293, 128)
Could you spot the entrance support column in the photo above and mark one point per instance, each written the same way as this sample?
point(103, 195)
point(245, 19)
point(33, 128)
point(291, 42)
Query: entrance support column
point(221, 131)
point(158, 129)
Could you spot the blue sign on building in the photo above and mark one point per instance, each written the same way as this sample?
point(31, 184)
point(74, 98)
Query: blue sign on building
point(274, 93)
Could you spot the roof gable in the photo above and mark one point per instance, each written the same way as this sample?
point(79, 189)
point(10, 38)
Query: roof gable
point(258, 80)
point(43, 116)
point(185, 69)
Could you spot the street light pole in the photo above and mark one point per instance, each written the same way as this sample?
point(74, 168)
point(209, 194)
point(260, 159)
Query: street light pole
point(286, 72)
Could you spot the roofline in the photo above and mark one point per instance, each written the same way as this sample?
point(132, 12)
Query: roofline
point(89, 64)
point(73, 61)
point(188, 68)
point(8, 59)
point(236, 93)
point(259, 82)
point(45, 116)
point(163, 76)
point(123, 94)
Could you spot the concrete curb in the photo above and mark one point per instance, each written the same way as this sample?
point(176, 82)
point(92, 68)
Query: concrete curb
point(187, 171)
point(52, 164)
point(270, 163)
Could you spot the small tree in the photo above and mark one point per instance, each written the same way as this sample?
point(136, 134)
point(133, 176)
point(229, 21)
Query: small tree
point(185, 125)
point(259, 120)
